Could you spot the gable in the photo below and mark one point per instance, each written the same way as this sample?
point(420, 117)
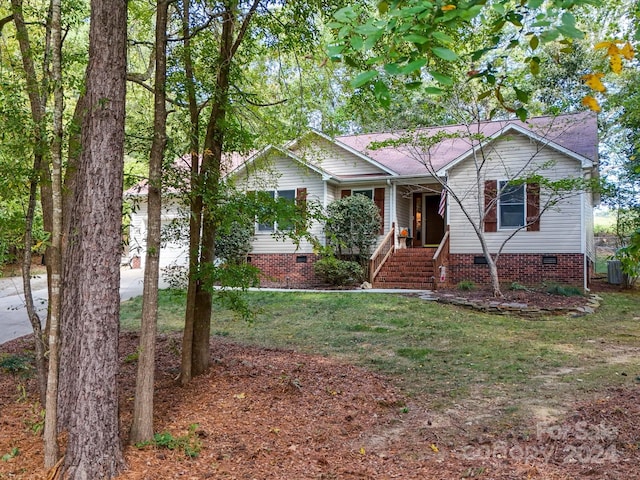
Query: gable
point(516, 155)
point(277, 171)
point(337, 159)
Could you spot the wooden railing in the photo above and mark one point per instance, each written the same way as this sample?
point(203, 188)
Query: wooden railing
point(440, 258)
point(384, 251)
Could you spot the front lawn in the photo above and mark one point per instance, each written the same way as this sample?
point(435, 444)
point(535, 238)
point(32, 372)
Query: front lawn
point(448, 355)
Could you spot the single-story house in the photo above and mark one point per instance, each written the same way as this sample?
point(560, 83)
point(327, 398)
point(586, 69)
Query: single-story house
point(427, 236)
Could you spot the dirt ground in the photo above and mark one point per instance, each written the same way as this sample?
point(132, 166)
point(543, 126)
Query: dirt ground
point(273, 414)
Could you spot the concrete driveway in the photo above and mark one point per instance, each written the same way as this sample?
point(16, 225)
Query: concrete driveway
point(14, 321)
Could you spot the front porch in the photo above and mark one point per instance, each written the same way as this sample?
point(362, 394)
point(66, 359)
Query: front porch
point(414, 253)
point(416, 267)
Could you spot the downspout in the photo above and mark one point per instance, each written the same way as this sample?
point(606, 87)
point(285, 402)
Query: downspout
point(583, 243)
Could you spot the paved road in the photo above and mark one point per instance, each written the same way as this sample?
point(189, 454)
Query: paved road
point(14, 322)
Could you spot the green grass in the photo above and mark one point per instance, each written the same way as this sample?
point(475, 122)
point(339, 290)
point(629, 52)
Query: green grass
point(433, 349)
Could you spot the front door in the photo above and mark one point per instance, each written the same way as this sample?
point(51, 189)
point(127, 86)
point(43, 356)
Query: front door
point(433, 222)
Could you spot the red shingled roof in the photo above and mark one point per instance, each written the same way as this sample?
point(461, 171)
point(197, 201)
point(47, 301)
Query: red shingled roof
point(577, 133)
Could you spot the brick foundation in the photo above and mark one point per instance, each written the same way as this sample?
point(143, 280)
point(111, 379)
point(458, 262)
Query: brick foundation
point(285, 270)
point(526, 269)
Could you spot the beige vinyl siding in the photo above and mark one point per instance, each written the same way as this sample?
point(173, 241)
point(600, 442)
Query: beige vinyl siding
point(284, 174)
point(335, 159)
point(588, 222)
point(560, 226)
point(171, 253)
point(403, 211)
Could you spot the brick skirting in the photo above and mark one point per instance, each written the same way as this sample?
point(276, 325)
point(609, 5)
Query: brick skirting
point(285, 270)
point(527, 269)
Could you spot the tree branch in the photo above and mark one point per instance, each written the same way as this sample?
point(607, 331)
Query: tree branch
point(5, 20)
point(244, 27)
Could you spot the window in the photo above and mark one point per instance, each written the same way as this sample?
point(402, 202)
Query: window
point(511, 206)
point(278, 195)
point(367, 193)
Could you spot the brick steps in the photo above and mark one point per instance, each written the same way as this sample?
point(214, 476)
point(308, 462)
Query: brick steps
point(410, 268)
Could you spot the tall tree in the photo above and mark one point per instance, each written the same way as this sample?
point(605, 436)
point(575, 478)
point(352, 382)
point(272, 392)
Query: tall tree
point(55, 251)
point(142, 427)
point(37, 101)
point(246, 31)
point(195, 201)
point(88, 399)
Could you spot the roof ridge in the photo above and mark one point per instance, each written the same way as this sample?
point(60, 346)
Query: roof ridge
point(481, 122)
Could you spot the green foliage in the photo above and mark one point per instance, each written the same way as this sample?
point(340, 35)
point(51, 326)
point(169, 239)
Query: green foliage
point(15, 451)
point(19, 365)
point(466, 286)
point(233, 243)
point(36, 423)
point(518, 287)
point(132, 357)
point(629, 257)
point(563, 290)
point(352, 226)
point(190, 444)
point(421, 43)
point(339, 272)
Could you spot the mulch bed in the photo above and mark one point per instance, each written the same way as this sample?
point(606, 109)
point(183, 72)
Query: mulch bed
point(276, 414)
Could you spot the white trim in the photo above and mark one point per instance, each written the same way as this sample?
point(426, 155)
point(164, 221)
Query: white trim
point(393, 204)
point(325, 193)
point(583, 226)
point(499, 208)
point(252, 159)
point(584, 161)
point(583, 243)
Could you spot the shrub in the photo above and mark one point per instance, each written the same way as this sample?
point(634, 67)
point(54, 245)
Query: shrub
point(629, 257)
point(353, 225)
point(190, 444)
point(466, 285)
point(19, 365)
point(563, 290)
point(339, 272)
point(517, 286)
point(233, 243)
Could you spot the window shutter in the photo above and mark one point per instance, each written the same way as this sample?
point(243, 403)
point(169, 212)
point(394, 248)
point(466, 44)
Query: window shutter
point(301, 207)
point(378, 199)
point(533, 207)
point(345, 193)
point(490, 206)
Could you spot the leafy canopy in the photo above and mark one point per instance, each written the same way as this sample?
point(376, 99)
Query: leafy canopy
point(419, 40)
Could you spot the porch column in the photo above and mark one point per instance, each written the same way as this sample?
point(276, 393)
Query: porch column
point(392, 208)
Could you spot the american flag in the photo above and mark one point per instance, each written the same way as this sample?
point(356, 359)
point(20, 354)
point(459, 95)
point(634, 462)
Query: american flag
point(443, 202)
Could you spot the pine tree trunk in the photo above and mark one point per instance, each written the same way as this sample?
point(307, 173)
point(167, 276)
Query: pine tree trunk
point(142, 427)
point(88, 398)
